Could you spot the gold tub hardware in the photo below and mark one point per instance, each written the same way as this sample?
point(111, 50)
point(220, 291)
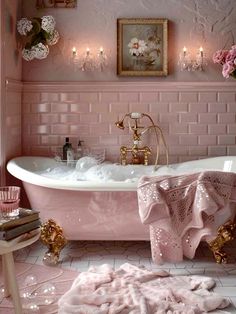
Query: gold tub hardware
point(224, 235)
point(140, 154)
point(135, 151)
point(52, 236)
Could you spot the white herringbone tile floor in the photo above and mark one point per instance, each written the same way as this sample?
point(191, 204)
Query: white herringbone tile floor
point(79, 255)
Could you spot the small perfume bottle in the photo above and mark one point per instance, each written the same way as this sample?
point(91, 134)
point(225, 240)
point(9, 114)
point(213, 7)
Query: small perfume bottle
point(80, 150)
point(67, 146)
point(70, 157)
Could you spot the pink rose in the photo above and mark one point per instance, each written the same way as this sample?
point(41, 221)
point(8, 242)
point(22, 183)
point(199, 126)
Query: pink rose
point(228, 68)
point(219, 56)
point(231, 56)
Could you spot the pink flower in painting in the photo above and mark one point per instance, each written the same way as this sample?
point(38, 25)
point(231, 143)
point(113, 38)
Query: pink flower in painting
point(219, 56)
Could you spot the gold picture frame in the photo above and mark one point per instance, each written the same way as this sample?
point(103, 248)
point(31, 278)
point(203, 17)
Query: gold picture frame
point(142, 47)
point(42, 4)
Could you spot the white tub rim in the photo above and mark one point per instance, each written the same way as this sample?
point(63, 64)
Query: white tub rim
point(15, 167)
point(24, 175)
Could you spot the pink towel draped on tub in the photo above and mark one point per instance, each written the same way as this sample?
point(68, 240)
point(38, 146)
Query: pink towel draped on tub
point(185, 209)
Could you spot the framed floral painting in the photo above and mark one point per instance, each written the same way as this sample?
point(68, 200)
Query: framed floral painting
point(42, 4)
point(142, 47)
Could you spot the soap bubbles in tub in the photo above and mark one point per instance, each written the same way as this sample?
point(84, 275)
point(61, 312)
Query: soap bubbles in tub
point(84, 163)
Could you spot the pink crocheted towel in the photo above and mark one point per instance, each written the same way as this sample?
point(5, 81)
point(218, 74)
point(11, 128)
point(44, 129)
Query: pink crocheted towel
point(183, 210)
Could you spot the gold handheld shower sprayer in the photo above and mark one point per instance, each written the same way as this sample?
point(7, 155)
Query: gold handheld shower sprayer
point(140, 154)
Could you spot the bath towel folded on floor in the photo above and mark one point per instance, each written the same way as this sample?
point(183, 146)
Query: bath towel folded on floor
point(183, 210)
point(134, 290)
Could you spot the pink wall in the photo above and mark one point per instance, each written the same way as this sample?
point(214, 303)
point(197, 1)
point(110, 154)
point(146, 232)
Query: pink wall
point(13, 119)
point(197, 119)
point(13, 60)
point(13, 86)
point(210, 24)
point(11, 71)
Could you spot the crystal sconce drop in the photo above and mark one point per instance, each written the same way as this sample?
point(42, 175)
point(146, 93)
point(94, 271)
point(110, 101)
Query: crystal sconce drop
point(186, 62)
point(89, 62)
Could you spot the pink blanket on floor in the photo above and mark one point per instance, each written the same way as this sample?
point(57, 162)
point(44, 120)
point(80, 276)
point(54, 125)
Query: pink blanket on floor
point(133, 290)
point(183, 210)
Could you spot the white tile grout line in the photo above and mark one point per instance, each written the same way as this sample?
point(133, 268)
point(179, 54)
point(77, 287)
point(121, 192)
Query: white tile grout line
point(79, 255)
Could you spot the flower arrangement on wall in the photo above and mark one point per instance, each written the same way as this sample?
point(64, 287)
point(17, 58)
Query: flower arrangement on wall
point(37, 34)
point(227, 58)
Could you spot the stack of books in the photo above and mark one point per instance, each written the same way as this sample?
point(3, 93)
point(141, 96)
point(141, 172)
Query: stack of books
point(26, 221)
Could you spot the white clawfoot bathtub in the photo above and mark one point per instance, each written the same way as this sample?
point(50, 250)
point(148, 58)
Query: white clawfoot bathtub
point(100, 206)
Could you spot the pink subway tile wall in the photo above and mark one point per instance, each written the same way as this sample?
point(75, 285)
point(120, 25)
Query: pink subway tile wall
point(197, 121)
point(12, 125)
point(13, 122)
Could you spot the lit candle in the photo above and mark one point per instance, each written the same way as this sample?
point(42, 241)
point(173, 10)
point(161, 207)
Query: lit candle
point(184, 50)
point(201, 51)
point(101, 50)
point(74, 51)
point(87, 51)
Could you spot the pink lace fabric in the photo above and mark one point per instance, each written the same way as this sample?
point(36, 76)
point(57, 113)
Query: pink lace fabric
point(184, 210)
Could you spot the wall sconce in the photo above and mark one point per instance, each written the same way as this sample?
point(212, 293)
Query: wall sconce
point(89, 62)
point(189, 64)
point(102, 60)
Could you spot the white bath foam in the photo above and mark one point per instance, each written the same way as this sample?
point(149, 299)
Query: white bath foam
point(116, 172)
point(89, 169)
point(132, 173)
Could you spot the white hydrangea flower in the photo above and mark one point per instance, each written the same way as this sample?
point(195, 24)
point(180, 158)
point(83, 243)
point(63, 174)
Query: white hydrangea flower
point(24, 26)
point(48, 23)
point(41, 51)
point(28, 54)
point(53, 39)
point(39, 33)
point(137, 47)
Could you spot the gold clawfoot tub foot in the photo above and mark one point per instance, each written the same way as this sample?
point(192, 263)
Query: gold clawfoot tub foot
point(52, 236)
point(224, 235)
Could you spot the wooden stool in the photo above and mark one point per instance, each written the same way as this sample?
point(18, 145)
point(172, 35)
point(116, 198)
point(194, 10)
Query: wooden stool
point(6, 250)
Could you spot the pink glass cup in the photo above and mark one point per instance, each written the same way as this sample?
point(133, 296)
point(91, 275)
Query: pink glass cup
point(9, 201)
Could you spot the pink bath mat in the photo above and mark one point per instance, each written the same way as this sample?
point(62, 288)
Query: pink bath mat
point(103, 290)
point(130, 289)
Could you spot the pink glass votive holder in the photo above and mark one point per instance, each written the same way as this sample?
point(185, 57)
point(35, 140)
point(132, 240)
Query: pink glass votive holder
point(9, 201)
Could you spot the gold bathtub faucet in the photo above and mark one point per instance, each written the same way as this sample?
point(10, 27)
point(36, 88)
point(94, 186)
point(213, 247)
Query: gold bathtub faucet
point(137, 159)
point(139, 155)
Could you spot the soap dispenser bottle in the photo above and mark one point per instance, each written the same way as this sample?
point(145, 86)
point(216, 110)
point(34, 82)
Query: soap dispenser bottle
point(67, 146)
point(79, 151)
